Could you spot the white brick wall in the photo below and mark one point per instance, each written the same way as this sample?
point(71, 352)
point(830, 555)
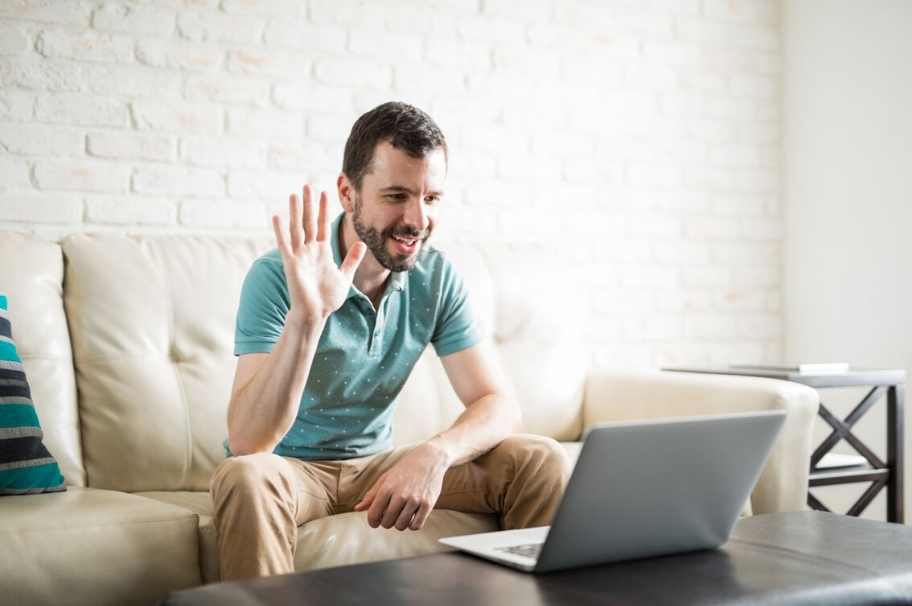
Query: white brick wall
point(640, 138)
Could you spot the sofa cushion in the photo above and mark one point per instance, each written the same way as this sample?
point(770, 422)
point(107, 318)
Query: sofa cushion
point(26, 466)
point(323, 543)
point(199, 503)
point(31, 275)
point(95, 548)
point(337, 540)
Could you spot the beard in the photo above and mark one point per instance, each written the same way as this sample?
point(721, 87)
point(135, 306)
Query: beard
point(376, 241)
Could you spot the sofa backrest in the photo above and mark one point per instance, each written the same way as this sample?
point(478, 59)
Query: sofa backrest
point(152, 325)
point(148, 337)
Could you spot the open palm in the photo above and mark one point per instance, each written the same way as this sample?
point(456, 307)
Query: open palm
point(316, 286)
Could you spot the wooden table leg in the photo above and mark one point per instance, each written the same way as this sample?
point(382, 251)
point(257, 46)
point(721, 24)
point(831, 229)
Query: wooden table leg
point(895, 435)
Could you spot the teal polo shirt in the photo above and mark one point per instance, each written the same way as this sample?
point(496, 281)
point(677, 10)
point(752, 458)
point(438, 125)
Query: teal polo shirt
point(364, 355)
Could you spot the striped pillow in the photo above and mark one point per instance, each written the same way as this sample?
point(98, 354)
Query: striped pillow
point(26, 466)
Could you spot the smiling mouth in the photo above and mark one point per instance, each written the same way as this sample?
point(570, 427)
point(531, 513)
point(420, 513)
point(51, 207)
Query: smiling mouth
point(407, 241)
point(406, 246)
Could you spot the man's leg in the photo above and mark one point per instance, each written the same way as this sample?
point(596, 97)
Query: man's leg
point(523, 479)
point(260, 500)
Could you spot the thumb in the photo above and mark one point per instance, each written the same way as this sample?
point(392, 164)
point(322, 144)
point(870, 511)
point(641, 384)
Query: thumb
point(353, 260)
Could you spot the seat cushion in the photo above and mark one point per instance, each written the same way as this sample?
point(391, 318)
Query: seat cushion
point(326, 542)
point(97, 547)
point(201, 504)
point(338, 540)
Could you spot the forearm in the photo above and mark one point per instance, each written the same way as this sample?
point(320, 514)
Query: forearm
point(482, 426)
point(262, 410)
point(406, 493)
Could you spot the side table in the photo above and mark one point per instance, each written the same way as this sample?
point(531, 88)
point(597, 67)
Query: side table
point(880, 473)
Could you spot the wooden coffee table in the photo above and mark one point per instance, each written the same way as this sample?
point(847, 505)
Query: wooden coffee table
point(786, 558)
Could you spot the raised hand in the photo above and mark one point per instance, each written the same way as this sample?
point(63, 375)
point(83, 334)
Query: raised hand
point(316, 286)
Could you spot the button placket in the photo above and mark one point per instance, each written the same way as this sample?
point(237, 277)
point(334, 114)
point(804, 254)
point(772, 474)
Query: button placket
point(377, 337)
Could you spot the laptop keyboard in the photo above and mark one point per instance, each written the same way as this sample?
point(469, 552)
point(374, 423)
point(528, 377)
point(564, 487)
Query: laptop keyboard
point(530, 551)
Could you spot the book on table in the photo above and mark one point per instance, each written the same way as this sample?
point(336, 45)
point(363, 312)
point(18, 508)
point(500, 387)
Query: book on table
point(804, 367)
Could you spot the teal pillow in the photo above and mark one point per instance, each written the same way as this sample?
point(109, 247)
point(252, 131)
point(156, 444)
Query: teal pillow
point(26, 466)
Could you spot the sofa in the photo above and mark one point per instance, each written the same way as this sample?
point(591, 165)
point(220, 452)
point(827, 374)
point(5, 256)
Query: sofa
point(127, 345)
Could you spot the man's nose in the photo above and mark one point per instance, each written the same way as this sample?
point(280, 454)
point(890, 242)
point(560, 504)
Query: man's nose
point(416, 215)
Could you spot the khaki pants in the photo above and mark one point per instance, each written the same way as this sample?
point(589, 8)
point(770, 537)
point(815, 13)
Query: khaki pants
point(260, 500)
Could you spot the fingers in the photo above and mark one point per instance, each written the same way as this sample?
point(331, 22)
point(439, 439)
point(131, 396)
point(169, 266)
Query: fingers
point(372, 504)
point(310, 221)
point(377, 512)
point(281, 240)
point(367, 501)
point(406, 516)
point(295, 228)
point(420, 517)
point(323, 219)
point(398, 513)
point(383, 510)
point(304, 225)
point(410, 514)
point(389, 507)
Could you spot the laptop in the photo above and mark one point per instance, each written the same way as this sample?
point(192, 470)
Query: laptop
point(642, 489)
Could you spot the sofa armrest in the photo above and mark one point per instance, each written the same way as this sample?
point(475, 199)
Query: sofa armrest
point(783, 483)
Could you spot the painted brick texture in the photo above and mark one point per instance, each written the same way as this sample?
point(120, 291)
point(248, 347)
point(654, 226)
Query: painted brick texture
point(637, 139)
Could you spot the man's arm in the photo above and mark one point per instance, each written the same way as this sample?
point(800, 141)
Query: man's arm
point(404, 496)
point(267, 388)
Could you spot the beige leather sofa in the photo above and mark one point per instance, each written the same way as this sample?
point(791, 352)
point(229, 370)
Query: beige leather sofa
point(127, 343)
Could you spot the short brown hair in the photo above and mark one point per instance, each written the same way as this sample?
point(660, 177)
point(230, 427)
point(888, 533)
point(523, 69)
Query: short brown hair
point(405, 127)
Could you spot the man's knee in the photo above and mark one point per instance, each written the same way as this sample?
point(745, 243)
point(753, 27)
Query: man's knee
point(539, 452)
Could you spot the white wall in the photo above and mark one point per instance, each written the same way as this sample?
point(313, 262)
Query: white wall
point(641, 138)
point(848, 186)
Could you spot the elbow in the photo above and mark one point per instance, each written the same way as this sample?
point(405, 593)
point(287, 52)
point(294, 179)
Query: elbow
point(246, 439)
point(240, 445)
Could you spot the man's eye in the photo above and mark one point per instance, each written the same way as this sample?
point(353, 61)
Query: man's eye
point(432, 200)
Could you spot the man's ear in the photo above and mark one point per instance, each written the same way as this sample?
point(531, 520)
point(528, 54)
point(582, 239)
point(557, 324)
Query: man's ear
point(346, 193)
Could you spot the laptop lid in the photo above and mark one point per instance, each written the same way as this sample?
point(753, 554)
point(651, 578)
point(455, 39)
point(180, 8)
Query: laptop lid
point(646, 488)
point(657, 487)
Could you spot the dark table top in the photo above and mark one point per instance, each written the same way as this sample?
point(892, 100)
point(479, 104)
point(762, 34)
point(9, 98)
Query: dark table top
point(808, 558)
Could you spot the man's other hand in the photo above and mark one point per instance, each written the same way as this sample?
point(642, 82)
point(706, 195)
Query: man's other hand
point(404, 496)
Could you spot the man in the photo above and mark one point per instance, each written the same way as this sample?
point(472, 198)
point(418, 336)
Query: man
point(329, 326)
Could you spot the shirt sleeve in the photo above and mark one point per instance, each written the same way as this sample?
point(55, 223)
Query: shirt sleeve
point(457, 327)
point(262, 309)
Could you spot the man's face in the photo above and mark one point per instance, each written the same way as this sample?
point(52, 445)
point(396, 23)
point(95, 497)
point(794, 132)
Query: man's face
point(396, 208)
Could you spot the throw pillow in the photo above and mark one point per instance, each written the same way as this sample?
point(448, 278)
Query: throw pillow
point(26, 466)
